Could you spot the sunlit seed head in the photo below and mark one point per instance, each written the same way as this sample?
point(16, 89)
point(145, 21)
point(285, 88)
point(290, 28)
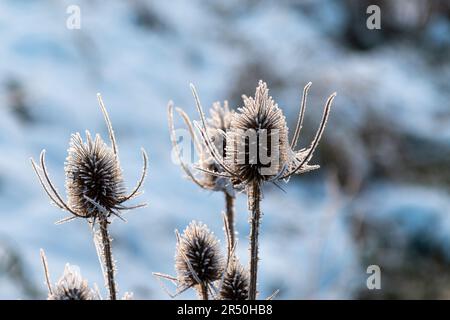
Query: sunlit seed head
point(218, 124)
point(71, 286)
point(93, 176)
point(257, 142)
point(198, 256)
point(235, 283)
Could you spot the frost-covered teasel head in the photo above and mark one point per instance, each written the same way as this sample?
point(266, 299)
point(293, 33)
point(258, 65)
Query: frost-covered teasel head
point(71, 286)
point(257, 146)
point(94, 182)
point(257, 142)
point(198, 260)
point(93, 176)
point(217, 125)
point(235, 283)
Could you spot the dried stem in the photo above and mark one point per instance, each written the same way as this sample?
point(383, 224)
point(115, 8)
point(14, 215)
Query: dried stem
point(254, 199)
point(46, 272)
point(229, 201)
point(107, 258)
point(204, 291)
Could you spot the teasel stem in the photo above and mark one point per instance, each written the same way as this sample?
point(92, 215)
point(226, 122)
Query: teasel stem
point(204, 291)
point(229, 202)
point(254, 200)
point(107, 257)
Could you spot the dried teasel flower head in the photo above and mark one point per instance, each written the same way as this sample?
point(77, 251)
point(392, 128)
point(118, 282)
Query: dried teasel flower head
point(220, 119)
point(217, 126)
point(94, 181)
point(257, 146)
point(198, 260)
point(235, 283)
point(93, 177)
point(257, 142)
point(71, 286)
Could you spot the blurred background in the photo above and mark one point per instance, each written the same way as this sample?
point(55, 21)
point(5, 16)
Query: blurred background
point(382, 195)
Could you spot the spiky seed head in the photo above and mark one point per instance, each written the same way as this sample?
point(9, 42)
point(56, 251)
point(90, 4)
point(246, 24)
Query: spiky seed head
point(235, 283)
point(93, 176)
point(220, 118)
point(218, 124)
point(198, 256)
point(257, 142)
point(71, 286)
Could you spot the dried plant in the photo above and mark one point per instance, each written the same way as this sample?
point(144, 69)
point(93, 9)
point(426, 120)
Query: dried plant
point(198, 260)
point(258, 151)
point(237, 151)
point(235, 283)
point(218, 123)
point(71, 286)
point(94, 179)
point(95, 189)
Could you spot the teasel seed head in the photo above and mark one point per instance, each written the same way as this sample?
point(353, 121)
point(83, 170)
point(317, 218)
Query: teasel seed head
point(71, 286)
point(257, 146)
point(220, 117)
point(94, 181)
point(198, 260)
point(257, 142)
point(217, 125)
point(235, 283)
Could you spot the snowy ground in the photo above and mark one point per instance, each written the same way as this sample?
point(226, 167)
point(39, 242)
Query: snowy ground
point(307, 249)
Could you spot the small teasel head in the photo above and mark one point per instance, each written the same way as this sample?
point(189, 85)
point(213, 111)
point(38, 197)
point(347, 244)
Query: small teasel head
point(198, 260)
point(71, 286)
point(257, 142)
point(217, 125)
point(235, 283)
point(257, 146)
point(219, 120)
point(94, 181)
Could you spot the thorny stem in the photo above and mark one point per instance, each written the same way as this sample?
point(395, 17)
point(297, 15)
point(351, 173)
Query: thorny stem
point(229, 201)
point(107, 258)
point(254, 199)
point(204, 291)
